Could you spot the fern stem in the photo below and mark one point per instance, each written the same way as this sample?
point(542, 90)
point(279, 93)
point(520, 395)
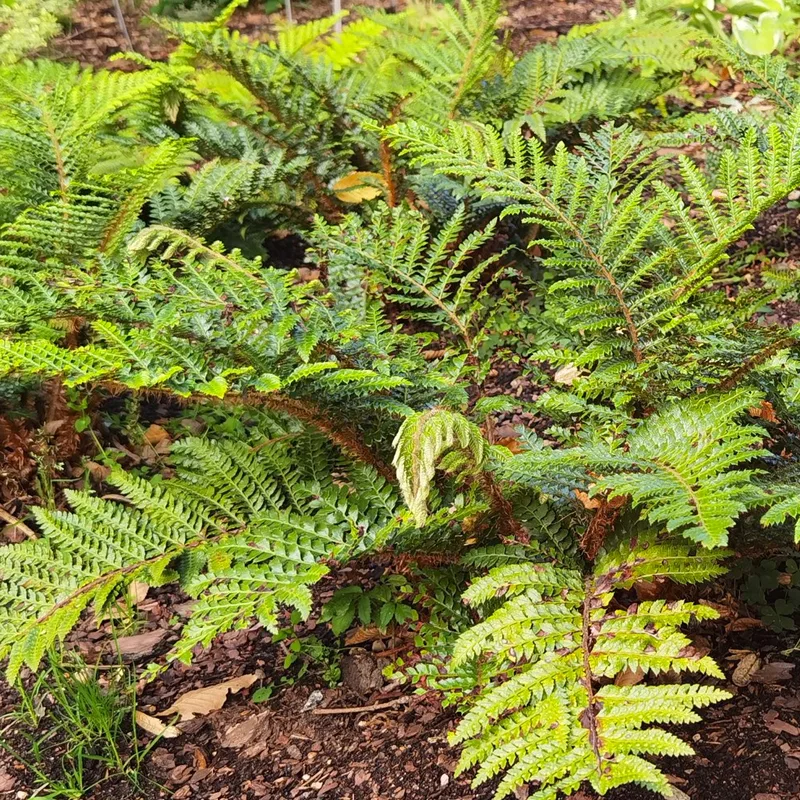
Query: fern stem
point(589, 715)
point(344, 436)
point(122, 571)
point(755, 361)
point(61, 170)
point(511, 529)
point(388, 177)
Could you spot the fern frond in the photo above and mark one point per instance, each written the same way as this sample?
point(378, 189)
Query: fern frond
point(242, 528)
point(542, 717)
point(681, 466)
point(440, 279)
point(423, 439)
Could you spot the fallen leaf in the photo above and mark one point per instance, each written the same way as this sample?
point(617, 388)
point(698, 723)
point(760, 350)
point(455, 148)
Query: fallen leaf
point(49, 428)
point(586, 501)
point(748, 665)
point(200, 702)
point(156, 726)
point(629, 677)
point(364, 633)
point(765, 411)
point(512, 443)
point(677, 794)
point(200, 758)
point(567, 374)
point(155, 434)
point(137, 591)
point(743, 624)
point(98, 471)
point(359, 186)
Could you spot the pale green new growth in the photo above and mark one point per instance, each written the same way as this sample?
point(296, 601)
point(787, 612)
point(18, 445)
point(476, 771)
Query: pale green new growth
point(420, 445)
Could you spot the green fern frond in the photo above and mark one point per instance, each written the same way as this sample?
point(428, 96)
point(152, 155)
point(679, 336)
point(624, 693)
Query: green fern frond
point(542, 715)
point(435, 277)
point(682, 466)
point(242, 528)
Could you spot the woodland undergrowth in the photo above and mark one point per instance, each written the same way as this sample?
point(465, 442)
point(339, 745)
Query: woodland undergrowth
point(571, 216)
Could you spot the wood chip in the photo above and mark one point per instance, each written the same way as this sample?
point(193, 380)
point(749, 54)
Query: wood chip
point(782, 728)
point(243, 733)
point(774, 672)
point(142, 645)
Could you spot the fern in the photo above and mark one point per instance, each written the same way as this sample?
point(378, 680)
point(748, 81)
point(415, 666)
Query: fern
point(546, 713)
point(435, 277)
point(442, 61)
point(681, 466)
point(241, 527)
point(420, 444)
point(629, 251)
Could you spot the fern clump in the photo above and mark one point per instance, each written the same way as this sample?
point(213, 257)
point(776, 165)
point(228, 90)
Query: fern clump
point(555, 707)
point(240, 527)
point(459, 311)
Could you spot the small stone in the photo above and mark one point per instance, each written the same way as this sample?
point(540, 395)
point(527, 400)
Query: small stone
point(444, 779)
point(314, 699)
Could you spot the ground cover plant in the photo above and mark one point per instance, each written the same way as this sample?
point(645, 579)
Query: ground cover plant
point(457, 208)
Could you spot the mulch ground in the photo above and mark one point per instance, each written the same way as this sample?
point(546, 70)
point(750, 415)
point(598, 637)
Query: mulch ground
point(94, 35)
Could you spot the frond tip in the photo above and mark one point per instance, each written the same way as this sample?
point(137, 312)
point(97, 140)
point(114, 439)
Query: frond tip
point(423, 439)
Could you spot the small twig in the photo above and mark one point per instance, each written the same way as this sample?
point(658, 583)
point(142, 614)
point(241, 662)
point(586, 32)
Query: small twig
point(17, 523)
point(337, 9)
point(76, 34)
point(122, 24)
point(288, 6)
point(362, 709)
point(121, 498)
